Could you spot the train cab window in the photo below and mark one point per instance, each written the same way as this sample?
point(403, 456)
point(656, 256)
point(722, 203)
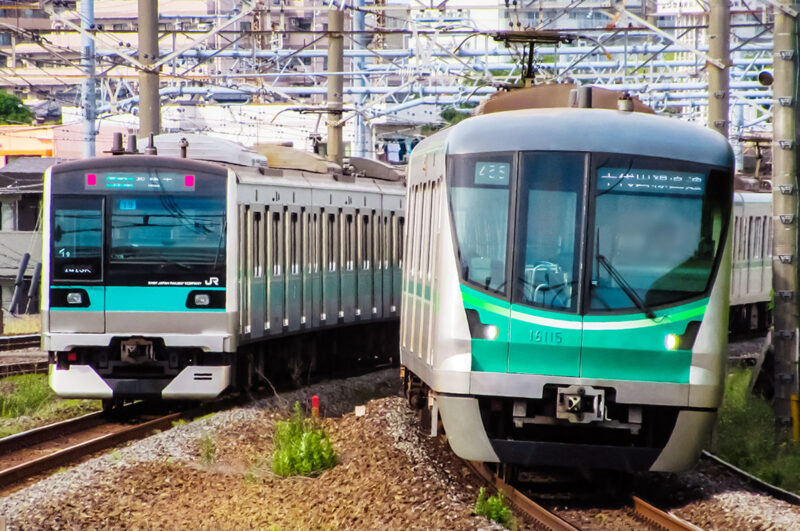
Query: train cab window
point(658, 231)
point(480, 196)
point(548, 228)
point(77, 235)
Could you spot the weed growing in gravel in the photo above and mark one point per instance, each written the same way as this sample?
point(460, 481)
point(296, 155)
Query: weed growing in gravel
point(494, 508)
point(747, 436)
point(302, 447)
point(208, 450)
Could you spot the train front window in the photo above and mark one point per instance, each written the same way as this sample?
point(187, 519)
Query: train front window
point(480, 195)
point(179, 230)
point(548, 229)
point(77, 235)
point(658, 230)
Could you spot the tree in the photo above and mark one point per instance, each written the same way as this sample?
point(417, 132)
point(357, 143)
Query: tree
point(13, 111)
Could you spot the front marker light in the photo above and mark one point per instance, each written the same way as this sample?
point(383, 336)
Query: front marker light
point(491, 332)
point(74, 298)
point(671, 342)
point(202, 299)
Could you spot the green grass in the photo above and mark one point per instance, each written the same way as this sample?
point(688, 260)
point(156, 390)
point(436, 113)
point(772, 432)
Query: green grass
point(26, 401)
point(208, 450)
point(495, 509)
point(747, 439)
point(302, 447)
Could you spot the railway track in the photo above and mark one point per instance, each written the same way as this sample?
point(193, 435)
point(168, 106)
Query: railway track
point(20, 341)
point(543, 518)
point(36, 451)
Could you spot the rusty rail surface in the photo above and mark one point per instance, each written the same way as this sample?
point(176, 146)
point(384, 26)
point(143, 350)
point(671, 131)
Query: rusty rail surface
point(661, 519)
point(522, 503)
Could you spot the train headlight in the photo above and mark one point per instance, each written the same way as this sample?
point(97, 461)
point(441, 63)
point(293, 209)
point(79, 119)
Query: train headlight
point(491, 332)
point(671, 342)
point(75, 298)
point(202, 299)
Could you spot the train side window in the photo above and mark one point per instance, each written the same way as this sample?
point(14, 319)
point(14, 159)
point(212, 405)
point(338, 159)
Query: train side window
point(401, 247)
point(276, 246)
point(366, 242)
point(765, 237)
point(330, 241)
point(348, 242)
point(294, 243)
point(258, 245)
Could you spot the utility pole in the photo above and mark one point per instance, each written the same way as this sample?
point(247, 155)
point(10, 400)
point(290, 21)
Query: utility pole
point(784, 211)
point(719, 30)
point(149, 99)
point(362, 39)
point(335, 84)
point(88, 87)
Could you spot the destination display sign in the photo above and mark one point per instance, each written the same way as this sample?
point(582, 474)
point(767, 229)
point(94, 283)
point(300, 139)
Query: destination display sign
point(492, 173)
point(648, 181)
point(140, 182)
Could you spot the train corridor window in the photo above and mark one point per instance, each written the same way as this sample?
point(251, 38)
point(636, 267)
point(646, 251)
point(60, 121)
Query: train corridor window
point(77, 236)
point(480, 195)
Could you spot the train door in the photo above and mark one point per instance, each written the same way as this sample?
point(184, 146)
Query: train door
point(365, 265)
point(545, 328)
point(294, 268)
point(77, 294)
point(277, 268)
point(255, 271)
point(347, 261)
point(331, 303)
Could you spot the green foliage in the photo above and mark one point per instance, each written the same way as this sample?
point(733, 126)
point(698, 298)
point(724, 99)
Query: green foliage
point(302, 447)
point(746, 431)
point(13, 111)
point(24, 395)
point(494, 508)
point(208, 450)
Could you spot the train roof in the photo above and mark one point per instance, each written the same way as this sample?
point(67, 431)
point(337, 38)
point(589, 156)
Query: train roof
point(306, 179)
point(595, 130)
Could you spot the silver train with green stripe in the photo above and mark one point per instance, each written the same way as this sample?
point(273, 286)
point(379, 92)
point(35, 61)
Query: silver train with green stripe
point(566, 287)
point(179, 278)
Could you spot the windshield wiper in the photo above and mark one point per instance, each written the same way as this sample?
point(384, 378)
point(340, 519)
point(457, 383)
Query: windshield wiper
point(626, 288)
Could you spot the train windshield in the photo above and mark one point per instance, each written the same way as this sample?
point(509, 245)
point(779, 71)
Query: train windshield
point(480, 195)
point(181, 230)
point(657, 232)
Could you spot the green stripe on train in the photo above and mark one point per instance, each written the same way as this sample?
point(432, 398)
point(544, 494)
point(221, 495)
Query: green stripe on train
point(623, 347)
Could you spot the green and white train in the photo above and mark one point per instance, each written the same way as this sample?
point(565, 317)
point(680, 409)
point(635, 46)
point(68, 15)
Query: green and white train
point(566, 287)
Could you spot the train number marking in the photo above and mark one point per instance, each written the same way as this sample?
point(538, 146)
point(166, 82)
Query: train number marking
point(546, 336)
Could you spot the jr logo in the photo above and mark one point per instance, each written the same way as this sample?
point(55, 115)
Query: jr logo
point(212, 281)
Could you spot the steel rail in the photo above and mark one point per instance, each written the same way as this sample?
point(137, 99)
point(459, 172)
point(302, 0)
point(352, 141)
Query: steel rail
point(530, 508)
point(19, 341)
point(14, 474)
point(661, 519)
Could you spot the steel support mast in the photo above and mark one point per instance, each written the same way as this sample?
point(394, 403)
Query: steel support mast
point(149, 99)
point(335, 84)
point(88, 86)
point(719, 31)
point(784, 204)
